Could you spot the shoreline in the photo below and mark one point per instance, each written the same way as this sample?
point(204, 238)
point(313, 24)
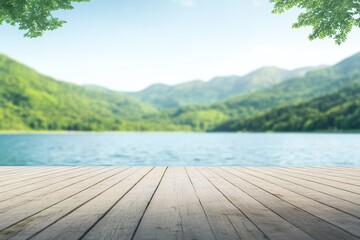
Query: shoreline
point(10, 132)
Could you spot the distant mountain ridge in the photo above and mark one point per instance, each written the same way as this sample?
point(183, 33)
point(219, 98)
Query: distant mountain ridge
point(294, 91)
point(200, 92)
point(272, 98)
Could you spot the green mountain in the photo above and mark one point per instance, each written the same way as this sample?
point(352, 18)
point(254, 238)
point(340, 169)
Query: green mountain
point(29, 100)
point(313, 84)
point(267, 99)
point(293, 91)
point(200, 92)
point(336, 111)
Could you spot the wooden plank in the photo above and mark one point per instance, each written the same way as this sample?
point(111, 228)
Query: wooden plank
point(336, 192)
point(331, 172)
point(342, 205)
point(272, 225)
point(10, 203)
point(7, 191)
point(19, 186)
point(312, 225)
point(320, 175)
point(354, 169)
point(26, 170)
point(226, 221)
point(35, 223)
point(341, 186)
point(34, 176)
point(181, 203)
point(8, 168)
point(347, 170)
point(6, 171)
point(14, 169)
point(175, 211)
point(27, 210)
point(124, 215)
point(23, 172)
point(338, 218)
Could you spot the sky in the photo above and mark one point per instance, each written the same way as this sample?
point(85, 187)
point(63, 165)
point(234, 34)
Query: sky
point(127, 45)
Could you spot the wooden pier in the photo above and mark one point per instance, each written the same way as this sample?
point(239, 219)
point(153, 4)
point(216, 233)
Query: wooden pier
point(180, 203)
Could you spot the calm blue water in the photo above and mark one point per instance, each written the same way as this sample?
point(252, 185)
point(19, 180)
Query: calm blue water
point(180, 149)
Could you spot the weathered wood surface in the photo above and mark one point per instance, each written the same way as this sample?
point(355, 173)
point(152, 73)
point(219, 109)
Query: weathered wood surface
point(180, 203)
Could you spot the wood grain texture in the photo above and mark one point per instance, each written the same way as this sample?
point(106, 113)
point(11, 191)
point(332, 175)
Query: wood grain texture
point(331, 172)
point(175, 211)
point(337, 203)
point(278, 203)
point(343, 220)
point(227, 221)
point(309, 223)
point(122, 219)
point(271, 224)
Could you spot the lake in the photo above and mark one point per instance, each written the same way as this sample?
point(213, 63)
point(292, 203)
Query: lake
point(178, 149)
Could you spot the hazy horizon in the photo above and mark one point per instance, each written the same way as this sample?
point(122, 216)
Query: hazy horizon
point(181, 82)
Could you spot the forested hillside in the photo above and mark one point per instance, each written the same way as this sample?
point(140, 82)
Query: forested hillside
point(29, 100)
point(337, 111)
point(297, 90)
point(219, 88)
point(322, 99)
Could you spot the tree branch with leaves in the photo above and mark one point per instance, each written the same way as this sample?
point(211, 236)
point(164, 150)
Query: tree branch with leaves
point(34, 16)
point(328, 18)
